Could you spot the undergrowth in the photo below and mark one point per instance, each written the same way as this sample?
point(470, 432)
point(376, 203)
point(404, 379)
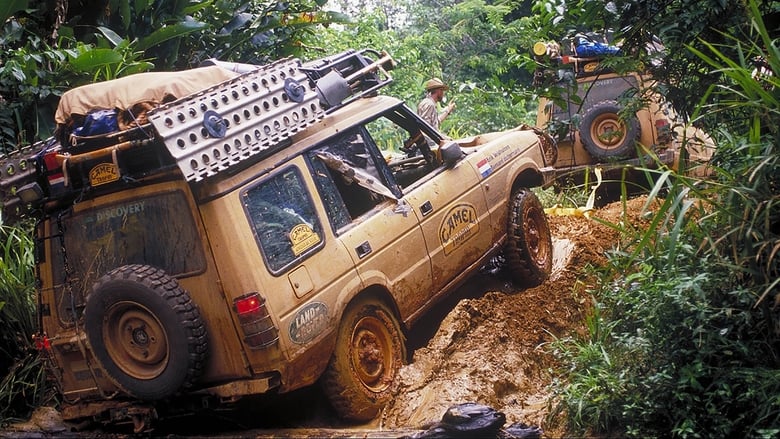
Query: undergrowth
point(683, 335)
point(22, 377)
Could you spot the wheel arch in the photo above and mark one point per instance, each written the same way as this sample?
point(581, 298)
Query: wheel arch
point(375, 292)
point(527, 177)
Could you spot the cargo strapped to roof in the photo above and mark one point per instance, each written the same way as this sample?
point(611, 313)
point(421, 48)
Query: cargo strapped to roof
point(237, 121)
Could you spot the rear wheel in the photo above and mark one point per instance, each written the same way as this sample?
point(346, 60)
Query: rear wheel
point(529, 248)
point(145, 331)
point(362, 375)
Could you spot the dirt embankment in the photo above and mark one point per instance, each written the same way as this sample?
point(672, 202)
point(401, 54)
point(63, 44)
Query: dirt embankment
point(492, 349)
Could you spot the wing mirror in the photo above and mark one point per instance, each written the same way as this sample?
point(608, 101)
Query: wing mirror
point(450, 153)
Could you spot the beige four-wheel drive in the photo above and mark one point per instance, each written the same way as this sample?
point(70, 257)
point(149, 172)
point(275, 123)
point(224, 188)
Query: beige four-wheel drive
point(251, 237)
point(594, 127)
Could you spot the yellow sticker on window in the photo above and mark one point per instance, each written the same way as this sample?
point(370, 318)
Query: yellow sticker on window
point(303, 238)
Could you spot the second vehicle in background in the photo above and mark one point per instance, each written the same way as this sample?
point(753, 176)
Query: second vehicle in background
point(615, 121)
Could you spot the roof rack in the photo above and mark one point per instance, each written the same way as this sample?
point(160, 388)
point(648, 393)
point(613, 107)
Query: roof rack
point(245, 118)
point(256, 112)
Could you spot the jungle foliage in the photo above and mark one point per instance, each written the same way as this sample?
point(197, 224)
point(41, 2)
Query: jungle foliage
point(683, 337)
point(22, 385)
point(49, 47)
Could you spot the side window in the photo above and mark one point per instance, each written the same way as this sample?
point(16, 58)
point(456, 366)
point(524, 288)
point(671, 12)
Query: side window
point(350, 178)
point(406, 148)
point(285, 224)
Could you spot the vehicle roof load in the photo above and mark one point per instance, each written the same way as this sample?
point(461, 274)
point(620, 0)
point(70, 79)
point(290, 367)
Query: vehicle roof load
point(258, 111)
point(246, 117)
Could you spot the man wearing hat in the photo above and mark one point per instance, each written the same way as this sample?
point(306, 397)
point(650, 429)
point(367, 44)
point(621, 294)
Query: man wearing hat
point(434, 93)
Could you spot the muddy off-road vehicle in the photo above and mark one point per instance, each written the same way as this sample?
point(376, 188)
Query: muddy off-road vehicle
point(250, 237)
point(594, 126)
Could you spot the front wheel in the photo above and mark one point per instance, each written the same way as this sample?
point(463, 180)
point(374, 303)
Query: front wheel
point(529, 248)
point(362, 375)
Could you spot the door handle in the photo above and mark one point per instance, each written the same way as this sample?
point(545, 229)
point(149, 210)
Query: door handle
point(426, 208)
point(363, 250)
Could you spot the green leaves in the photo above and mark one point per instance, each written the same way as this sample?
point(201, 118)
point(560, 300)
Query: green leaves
point(170, 32)
point(696, 283)
point(21, 373)
point(9, 7)
point(94, 59)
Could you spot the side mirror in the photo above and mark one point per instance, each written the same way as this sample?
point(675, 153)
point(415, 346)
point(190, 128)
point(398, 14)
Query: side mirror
point(450, 153)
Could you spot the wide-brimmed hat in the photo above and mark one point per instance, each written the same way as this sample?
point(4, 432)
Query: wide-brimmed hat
point(434, 83)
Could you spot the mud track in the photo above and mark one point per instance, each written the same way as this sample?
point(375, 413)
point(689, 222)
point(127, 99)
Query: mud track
point(487, 344)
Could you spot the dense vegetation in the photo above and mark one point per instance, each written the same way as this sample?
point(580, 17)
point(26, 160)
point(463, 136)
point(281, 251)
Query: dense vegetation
point(683, 331)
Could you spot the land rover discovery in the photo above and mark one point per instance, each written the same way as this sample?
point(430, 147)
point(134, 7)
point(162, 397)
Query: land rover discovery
point(251, 237)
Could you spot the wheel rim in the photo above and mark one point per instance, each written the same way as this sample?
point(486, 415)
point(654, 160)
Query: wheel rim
point(371, 353)
point(535, 237)
point(136, 340)
point(607, 131)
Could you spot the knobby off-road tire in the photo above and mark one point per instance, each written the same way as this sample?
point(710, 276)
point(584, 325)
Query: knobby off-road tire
point(529, 248)
point(362, 375)
point(605, 136)
point(145, 331)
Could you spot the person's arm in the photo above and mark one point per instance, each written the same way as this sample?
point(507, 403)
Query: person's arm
point(446, 111)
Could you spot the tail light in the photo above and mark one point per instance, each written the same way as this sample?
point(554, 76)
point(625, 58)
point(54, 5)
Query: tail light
point(664, 130)
point(54, 172)
point(259, 330)
point(42, 342)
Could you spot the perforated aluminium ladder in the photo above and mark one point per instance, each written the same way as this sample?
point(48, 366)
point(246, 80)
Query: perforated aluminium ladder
point(258, 111)
point(214, 129)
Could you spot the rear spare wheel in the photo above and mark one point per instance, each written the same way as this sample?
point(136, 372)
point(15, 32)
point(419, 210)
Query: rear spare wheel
point(145, 331)
point(605, 136)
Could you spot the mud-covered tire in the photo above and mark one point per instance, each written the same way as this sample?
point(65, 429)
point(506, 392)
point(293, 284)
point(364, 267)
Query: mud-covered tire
point(145, 332)
point(528, 250)
point(605, 136)
point(363, 373)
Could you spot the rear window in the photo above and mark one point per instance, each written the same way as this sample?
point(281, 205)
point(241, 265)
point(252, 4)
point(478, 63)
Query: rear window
point(157, 230)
